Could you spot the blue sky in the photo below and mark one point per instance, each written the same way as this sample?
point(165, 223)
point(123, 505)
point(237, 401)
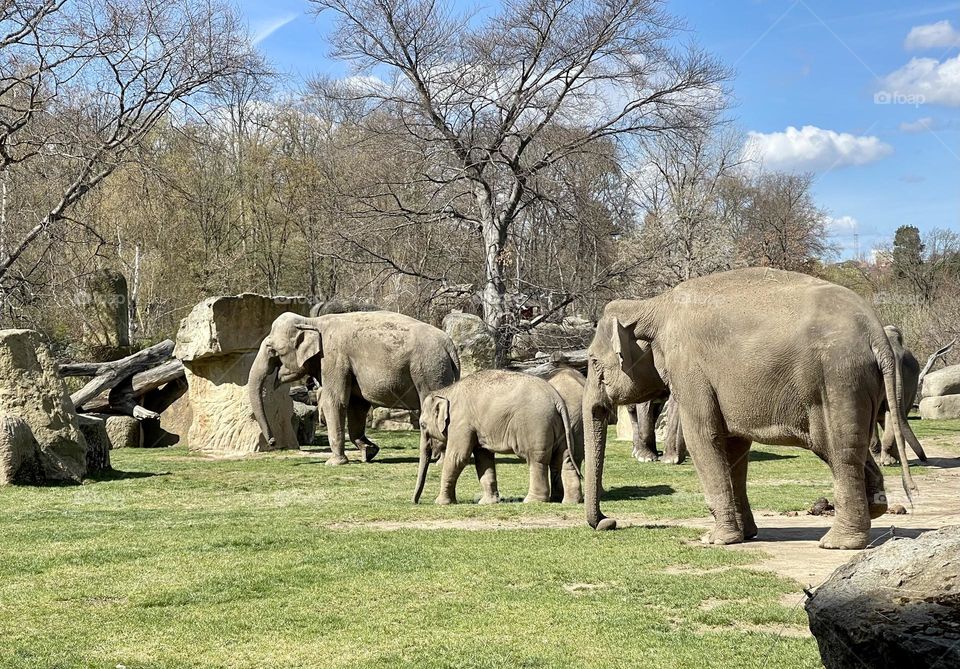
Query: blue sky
point(864, 94)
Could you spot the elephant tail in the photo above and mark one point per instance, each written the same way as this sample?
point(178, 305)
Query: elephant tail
point(567, 430)
point(893, 384)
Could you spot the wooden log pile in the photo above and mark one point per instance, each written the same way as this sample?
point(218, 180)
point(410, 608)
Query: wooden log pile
point(141, 385)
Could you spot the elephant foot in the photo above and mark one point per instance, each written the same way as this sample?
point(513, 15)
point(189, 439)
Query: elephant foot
point(490, 499)
point(671, 459)
point(572, 499)
point(888, 460)
point(336, 460)
point(536, 498)
point(723, 537)
point(444, 500)
point(645, 455)
point(749, 529)
point(369, 452)
point(838, 539)
point(604, 524)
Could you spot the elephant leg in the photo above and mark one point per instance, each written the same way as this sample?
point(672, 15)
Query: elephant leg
point(569, 480)
point(738, 454)
point(674, 447)
point(334, 414)
point(556, 477)
point(643, 419)
point(851, 525)
point(539, 489)
point(487, 473)
point(713, 470)
point(876, 495)
point(357, 427)
point(453, 464)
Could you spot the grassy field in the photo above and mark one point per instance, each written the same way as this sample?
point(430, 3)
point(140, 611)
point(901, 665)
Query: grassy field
point(279, 561)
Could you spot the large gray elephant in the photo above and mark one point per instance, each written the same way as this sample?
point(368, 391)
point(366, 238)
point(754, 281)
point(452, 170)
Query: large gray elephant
point(735, 349)
point(497, 411)
point(885, 447)
point(362, 359)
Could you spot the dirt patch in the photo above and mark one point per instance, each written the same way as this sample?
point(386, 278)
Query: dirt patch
point(794, 631)
point(583, 588)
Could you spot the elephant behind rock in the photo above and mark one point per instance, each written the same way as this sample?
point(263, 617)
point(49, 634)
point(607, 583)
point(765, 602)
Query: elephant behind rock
point(909, 369)
point(362, 359)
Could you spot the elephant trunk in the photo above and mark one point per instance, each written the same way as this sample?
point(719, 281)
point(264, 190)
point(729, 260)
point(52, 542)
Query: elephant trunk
point(596, 415)
point(264, 366)
point(422, 469)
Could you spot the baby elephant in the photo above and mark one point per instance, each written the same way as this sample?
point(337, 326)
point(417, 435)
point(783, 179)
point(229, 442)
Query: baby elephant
point(495, 411)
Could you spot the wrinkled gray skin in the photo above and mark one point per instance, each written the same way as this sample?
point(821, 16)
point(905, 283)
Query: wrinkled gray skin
point(498, 411)
point(362, 359)
point(735, 349)
point(886, 447)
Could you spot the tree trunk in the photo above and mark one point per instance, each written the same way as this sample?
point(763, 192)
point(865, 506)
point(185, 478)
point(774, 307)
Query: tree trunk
point(495, 311)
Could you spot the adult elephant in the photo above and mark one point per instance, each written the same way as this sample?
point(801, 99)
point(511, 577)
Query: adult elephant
point(752, 355)
point(885, 446)
point(362, 359)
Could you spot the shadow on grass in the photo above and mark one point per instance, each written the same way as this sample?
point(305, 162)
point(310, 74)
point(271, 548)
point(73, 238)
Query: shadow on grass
point(117, 475)
point(765, 456)
point(878, 535)
point(626, 492)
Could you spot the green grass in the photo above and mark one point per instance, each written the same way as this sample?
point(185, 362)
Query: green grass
point(272, 561)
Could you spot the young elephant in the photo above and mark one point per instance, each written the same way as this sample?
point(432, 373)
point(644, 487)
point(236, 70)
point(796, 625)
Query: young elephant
point(496, 411)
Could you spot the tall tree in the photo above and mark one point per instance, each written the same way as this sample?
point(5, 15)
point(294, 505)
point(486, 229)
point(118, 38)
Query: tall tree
point(493, 103)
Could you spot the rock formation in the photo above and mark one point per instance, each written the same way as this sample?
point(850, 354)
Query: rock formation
point(217, 343)
point(894, 606)
point(475, 343)
point(34, 398)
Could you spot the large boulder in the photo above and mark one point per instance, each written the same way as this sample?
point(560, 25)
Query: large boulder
point(105, 315)
point(894, 606)
point(944, 381)
point(31, 390)
point(217, 343)
point(940, 408)
point(19, 452)
point(475, 343)
point(173, 426)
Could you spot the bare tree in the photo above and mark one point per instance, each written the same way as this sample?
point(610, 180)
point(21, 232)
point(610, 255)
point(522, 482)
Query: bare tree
point(82, 84)
point(493, 104)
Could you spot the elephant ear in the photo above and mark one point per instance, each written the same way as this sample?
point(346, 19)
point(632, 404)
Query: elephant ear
point(441, 413)
point(309, 343)
point(625, 344)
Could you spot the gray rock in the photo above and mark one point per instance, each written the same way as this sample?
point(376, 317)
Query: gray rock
point(19, 452)
point(393, 420)
point(305, 423)
point(570, 335)
point(105, 309)
point(475, 342)
point(944, 381)
point(31, 389)
point(94, 431)
point(940, 408)
point(124, 432)
point(894, 606)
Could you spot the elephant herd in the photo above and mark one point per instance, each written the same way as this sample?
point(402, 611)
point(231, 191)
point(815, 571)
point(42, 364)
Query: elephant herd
point(747, 355)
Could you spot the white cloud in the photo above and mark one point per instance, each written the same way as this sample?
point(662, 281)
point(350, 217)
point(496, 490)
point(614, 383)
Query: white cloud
point(813, 148)
point(263, 29)
point(922, 124)
point(925, 80)
point(937, 35)
point(842, 224)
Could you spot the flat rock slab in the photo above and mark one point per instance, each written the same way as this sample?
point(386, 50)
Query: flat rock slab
point(944, 381)
point(895, 606)
point(942, 407)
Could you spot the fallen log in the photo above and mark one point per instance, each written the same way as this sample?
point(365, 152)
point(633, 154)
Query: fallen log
point(545, 365)
point(138, 386)
point(936, 355)
point(111, 374)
